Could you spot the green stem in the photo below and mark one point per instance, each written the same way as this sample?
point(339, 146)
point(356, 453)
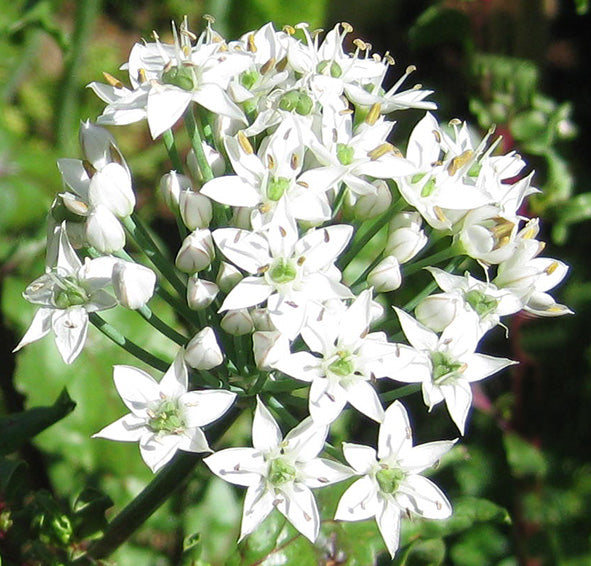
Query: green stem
point(141, 235)
point(66, 117)
point(131, 347)
point(433, 259)
point(180, 308)
point(362, 278)
point(173, 154)
point(361, 240)
point(403, 391)
point(195, 137)
point(338, 201)
point(160, 325)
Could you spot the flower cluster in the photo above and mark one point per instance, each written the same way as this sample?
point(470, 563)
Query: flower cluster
point(281, 290)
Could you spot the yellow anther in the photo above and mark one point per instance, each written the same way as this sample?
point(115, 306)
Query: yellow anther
point(141, 76)
point(347, 28)
point(268, 66)
point(552, 268)
point(250, 42)
point(346, 111)
point(437, 136)
point(301, 260)
point(459, 161)
point(380, 151)
point(244, 143)
point(270, 162)
point(439, 213)
point(373, 114)
point(360, 44)
point(209, 19)
point(281, 65)
point(529, 234)
point(410, 69)
point(88, 167)
point(389, 59)
point(289, 30)
point(455, 122)
point(112, 80)
point(294, 161)
point(303, 184)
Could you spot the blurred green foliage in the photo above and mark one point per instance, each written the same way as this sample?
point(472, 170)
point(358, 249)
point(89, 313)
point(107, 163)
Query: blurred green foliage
point(528, 452)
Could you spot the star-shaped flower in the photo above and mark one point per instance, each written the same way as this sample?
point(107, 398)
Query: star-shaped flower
point(279, 472)
point(164, 416)
point(391, 484)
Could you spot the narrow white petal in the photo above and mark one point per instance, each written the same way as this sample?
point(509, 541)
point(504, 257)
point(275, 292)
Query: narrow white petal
point(426, 499)
point(204, 407)
point(306, 440)
point(388, 519)
point(247, 250)
point(301, 365)
point(157, 450)
point(70, 327)
point(258, 503)
point(320, 472)
point(359, 502)
point(40, 326)
point(364, 398)
point(166, 104)
point(249, 292)
point(424, 456)
point(175, 380)
point(231, 190)
point(395, 433)
point(240, 466)
point(136, 388)
point(128, 428)
point(418, 335)
point(299, 506)
point(327, 401)
point(480, 366)
point(266, 434)
point(362, 458)
point(193, 440)
point(458, 398)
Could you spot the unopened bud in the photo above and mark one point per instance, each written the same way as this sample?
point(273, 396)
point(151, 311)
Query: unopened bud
point(406, 238)
point(370, 205)
point(203, 351)
point(237, 322)
point(200, 293)
point(171, 186)
point(99, 146)
point(196, 253)
point(268, 348)
point(196, 209)
point(386, 275)
point(111, 187)
point(438, 311)
point(261, 319)
point(228, 277)
point(133, 284)
point(103, 230)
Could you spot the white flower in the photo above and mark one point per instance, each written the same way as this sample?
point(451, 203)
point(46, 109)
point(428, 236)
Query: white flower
point(67, 292)
point(164, 416)
point(133, 284)
point(279, 472)
point(447, 364)
point(391, 485)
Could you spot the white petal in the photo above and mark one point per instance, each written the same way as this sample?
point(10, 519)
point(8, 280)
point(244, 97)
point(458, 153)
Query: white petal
point(166, 104)
point(359, 502)
point(364, 398)
point(247, 250)
point(424, 456)
point(320, 472)
point(306, 440)
point(258, 503)
point(362, 458)
point(40, 326)
point(299, 506)
point(322, 247)
point(70, 327)
point(128, 428)
point(136, 388)
point(458, 398)
point(175, 380)
point(231, 190)
point(204, 407)
point(480, 366)
point(193, 440)
point(395, 434)
point(301, 365)
point(240, 466)
point(157, 450)
point(327, 401)
point(248, 292)
point(418, 335)
point(266, 434)
point(388, 519)
point(426, 499)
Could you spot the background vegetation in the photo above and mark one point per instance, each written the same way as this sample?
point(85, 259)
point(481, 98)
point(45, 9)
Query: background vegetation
point(520, 64)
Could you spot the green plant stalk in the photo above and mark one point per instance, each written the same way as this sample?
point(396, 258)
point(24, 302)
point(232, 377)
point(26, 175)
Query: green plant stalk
point(433, 259)
point(399, 392)
point(139, 233)
point(131, 347)
point(173, 154)
point(161, 326)
point(361, 240)
point(195, 137)
point(66, 117)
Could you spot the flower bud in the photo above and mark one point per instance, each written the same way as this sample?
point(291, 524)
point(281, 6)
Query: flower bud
point(171, 186)
point(406, 239)
point(228, 276)
point(203, 350)
point(386, 275)
point(196, 252)
point(200, 293)
point(111, 187)
point(196, 209)
point(370, 205)
point(133, 284)
point(103, 230)
point(213, 157)
point(99, 146)
point(438, 311)
point(237, 322)
point(261, 319)
point(268, 348)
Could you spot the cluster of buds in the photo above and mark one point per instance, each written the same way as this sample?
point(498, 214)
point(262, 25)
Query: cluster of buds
point(278, 282)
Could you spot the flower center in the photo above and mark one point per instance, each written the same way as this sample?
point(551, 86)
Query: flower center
point(329, 68)
point(481, 303)
point(428, 188)
point(345, 153)
point(166, 417)
point(276, 187)
point(181, 76)
point(389, 479)
point(249, 78)
point(296, 100)
point(343, 365)
point(282, 271)
point(281, 472)
point(445, 367)
point(69, 293)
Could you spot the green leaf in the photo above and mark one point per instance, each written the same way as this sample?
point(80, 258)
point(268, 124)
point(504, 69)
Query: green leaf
point(18, 428)
point(576, 209)
point(437, 25)
point(523, 457)
point(89, 512)
point(12, 478)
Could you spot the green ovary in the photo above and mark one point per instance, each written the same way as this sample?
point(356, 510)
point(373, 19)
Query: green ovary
point(283, 271)
point(389, 479)
point(345, 154)
point(179, 76)
point(281, 472)
point(70, 294)
point(296, 100)
point(342, 366)
point(444, 366)
point(276, 188)
point(330, 68)
point(166, 418)
point(249, 78)
point(481, 303)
